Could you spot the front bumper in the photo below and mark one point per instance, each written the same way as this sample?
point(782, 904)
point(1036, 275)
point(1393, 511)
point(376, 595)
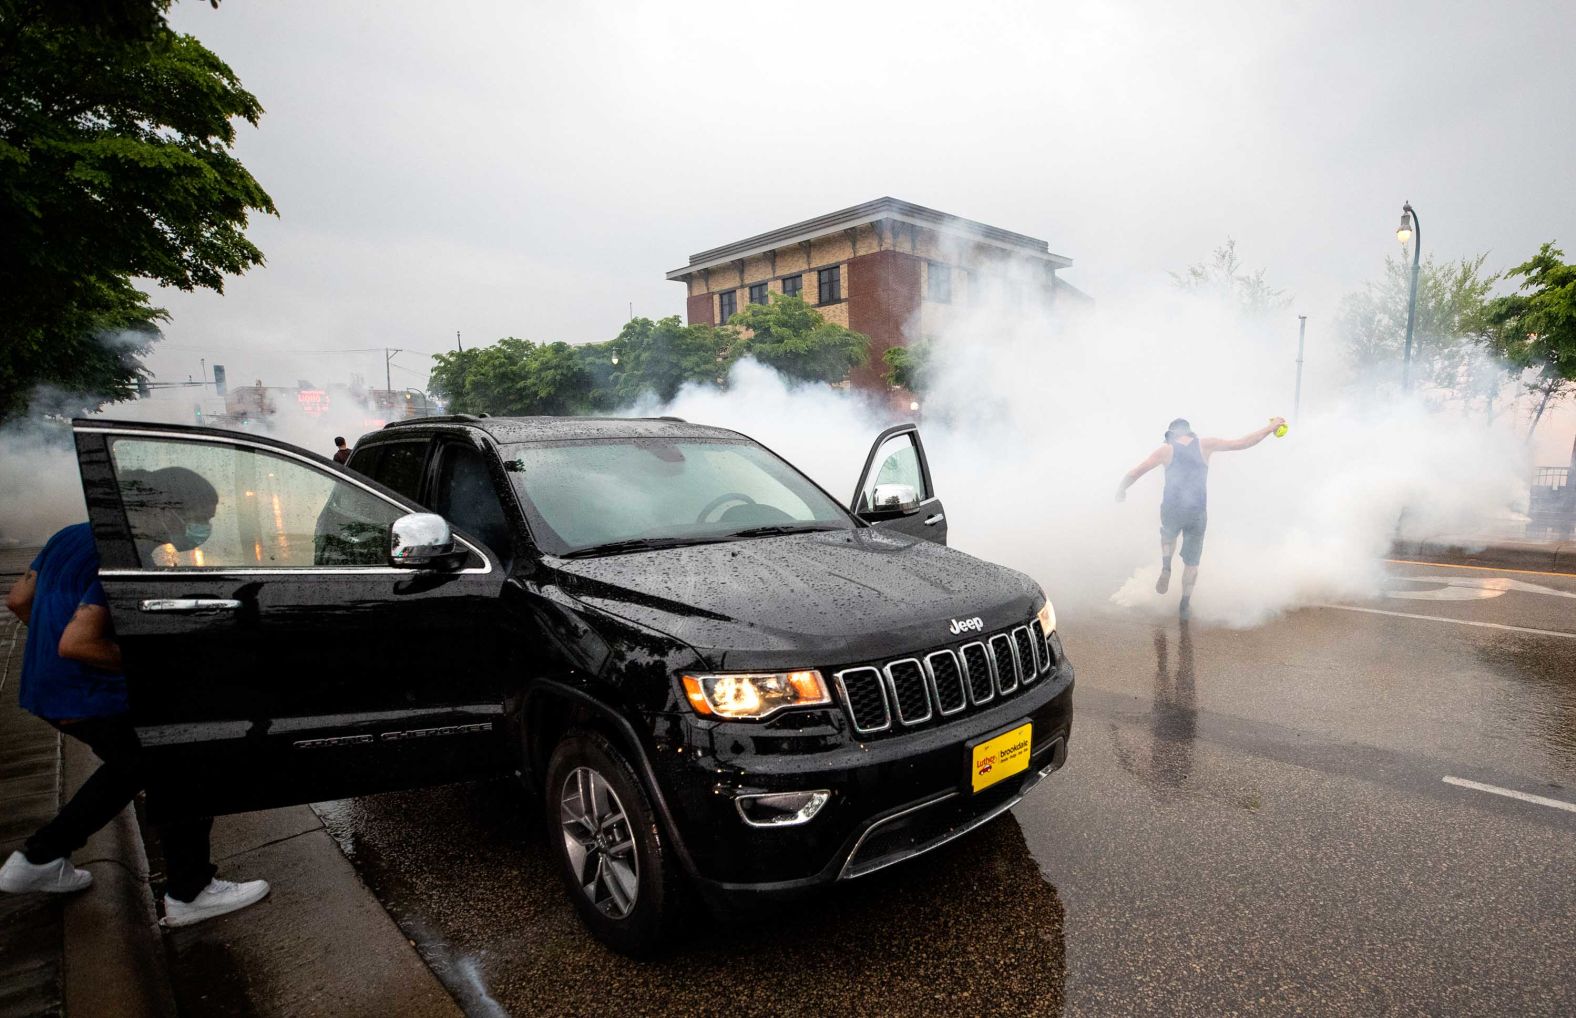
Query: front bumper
point(892, 798)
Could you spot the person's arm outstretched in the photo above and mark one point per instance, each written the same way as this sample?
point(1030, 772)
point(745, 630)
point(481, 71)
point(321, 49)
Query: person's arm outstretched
point(1247, 441)
point(1155, 459)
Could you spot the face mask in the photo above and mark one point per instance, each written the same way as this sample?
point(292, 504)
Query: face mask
point(191, 535)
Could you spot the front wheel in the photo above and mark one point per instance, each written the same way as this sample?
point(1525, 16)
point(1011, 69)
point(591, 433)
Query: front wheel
point(616, 865)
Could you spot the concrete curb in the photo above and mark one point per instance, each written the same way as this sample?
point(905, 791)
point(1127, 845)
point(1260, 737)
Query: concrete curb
point(115, 962)
point(1549, 556)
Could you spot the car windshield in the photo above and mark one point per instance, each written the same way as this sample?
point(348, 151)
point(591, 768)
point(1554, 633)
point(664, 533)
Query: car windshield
point(607, 496)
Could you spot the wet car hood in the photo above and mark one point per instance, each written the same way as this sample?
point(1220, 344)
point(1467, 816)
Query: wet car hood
point(804, 600)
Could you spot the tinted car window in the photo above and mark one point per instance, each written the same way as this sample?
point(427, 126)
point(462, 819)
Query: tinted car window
point(465, 496)
point(395, 465)
point(220, 506)
point(582, 494)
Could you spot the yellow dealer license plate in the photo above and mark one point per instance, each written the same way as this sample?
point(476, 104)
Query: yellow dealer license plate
point(1001, 757)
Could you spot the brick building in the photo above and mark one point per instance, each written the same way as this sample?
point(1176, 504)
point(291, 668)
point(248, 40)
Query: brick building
point(890, 269)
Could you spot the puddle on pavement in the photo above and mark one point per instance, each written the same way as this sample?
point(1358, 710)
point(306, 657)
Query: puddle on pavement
point(1164, 761)
point(1539, 697)
point(969, 928)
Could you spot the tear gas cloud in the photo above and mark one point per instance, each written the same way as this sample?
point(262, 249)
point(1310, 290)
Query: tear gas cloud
point(41, 491)
point(1031, 418)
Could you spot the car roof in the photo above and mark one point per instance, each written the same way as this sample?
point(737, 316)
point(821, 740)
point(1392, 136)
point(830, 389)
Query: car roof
point(555, 429)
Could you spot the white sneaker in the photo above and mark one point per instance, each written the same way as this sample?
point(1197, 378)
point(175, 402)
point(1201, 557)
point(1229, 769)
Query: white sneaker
point(219, 897)
point(58, 876)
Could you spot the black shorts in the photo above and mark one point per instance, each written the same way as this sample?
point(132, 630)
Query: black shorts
point(1190, 525)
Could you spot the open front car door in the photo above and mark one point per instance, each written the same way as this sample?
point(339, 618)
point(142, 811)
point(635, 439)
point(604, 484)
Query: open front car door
point(278, 647)
point(895, 490)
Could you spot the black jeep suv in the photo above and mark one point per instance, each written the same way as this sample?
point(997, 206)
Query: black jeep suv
point(716, 676)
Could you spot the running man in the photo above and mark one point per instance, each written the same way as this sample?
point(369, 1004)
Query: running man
point(1184, 507)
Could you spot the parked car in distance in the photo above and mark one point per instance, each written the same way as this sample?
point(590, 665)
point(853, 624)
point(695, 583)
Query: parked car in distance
point(719, 679)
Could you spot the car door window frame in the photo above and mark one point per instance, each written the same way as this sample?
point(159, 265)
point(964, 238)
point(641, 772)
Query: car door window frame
point(122, 526)
point(870, 463)
point(382, 449)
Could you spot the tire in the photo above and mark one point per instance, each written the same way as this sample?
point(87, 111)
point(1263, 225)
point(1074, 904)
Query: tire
point(617, 866)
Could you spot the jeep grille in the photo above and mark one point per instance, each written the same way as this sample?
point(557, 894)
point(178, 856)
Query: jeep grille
point(945, 682)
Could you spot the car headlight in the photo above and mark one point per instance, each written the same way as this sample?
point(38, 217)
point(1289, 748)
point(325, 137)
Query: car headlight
point(754, 694)
point(1047, 617)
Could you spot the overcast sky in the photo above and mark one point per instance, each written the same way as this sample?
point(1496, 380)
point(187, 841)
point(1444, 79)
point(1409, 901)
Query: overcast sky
point(534, 169)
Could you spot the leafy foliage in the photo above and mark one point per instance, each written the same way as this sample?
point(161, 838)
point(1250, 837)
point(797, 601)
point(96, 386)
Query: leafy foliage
point(1446, 337)
point(115, 133)
point(647, 359)
point(1224, 276)
point(1535, 328)
point(791, 336)
point(513, 376)
point(660, 357)
point(906, 366)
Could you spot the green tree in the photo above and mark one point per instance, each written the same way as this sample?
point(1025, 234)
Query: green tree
point(115, 133)
point(1223, 276)
point(1535, 328)
point(660, 357)
point(513, 377)
point(1447, 337)
point(791, 336)
point(907, 365)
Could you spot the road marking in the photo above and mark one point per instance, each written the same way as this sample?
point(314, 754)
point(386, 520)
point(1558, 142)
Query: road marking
point(1471, 588)
point(1459, 622)
point(1487, 569)
point(1509, 793)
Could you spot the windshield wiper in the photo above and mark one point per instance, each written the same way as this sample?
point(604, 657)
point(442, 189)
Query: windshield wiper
point(638, 544)
point(773, 529)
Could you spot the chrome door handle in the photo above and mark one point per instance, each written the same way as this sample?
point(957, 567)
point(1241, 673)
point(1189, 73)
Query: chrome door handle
point(935, 519)
point(190, 605)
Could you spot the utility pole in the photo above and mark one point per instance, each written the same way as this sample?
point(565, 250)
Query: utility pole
point(388, 357)
point(457, 344)
point(1296, 401)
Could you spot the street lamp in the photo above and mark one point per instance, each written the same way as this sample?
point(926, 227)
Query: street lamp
point(1409, 230)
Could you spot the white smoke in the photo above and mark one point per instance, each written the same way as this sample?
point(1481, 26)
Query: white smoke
point(1031, 419)
point(40, 487)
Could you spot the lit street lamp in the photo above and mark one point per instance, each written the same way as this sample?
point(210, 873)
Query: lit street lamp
point(1409, 230)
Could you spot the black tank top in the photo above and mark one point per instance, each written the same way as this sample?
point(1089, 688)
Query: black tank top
point(1186, 476)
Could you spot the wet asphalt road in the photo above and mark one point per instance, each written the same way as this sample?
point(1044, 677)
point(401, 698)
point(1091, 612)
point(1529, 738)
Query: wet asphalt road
point(1249, 822)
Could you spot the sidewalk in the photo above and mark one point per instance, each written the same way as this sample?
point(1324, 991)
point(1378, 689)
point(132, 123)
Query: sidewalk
point(319, 944)
point(32, 927)
point(1469, 550)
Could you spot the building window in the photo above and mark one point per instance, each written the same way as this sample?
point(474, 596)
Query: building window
point(757, 293)
point(831, 285)
point(939, 282)
point(792, 285)
point(727, 304)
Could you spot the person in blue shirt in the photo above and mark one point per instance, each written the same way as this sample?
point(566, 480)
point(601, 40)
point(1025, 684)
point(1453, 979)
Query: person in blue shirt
point(1184, 509)
point(71, 678)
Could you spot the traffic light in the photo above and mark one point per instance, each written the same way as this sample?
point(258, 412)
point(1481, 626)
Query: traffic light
point(218, 380)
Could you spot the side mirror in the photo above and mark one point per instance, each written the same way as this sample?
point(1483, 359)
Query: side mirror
point(895, 498)
point(420, 541)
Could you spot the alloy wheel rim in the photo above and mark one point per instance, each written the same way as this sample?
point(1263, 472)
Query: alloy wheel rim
point(599, 842)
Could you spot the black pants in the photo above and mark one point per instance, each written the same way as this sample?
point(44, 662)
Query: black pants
point(102, 797)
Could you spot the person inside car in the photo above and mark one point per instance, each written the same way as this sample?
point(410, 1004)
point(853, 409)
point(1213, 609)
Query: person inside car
point(71, 678)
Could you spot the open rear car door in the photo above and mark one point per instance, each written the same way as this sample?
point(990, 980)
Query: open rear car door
point(275, 651)
point(895, 490)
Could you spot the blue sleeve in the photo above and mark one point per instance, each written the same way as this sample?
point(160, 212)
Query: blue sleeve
point(95, 595)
